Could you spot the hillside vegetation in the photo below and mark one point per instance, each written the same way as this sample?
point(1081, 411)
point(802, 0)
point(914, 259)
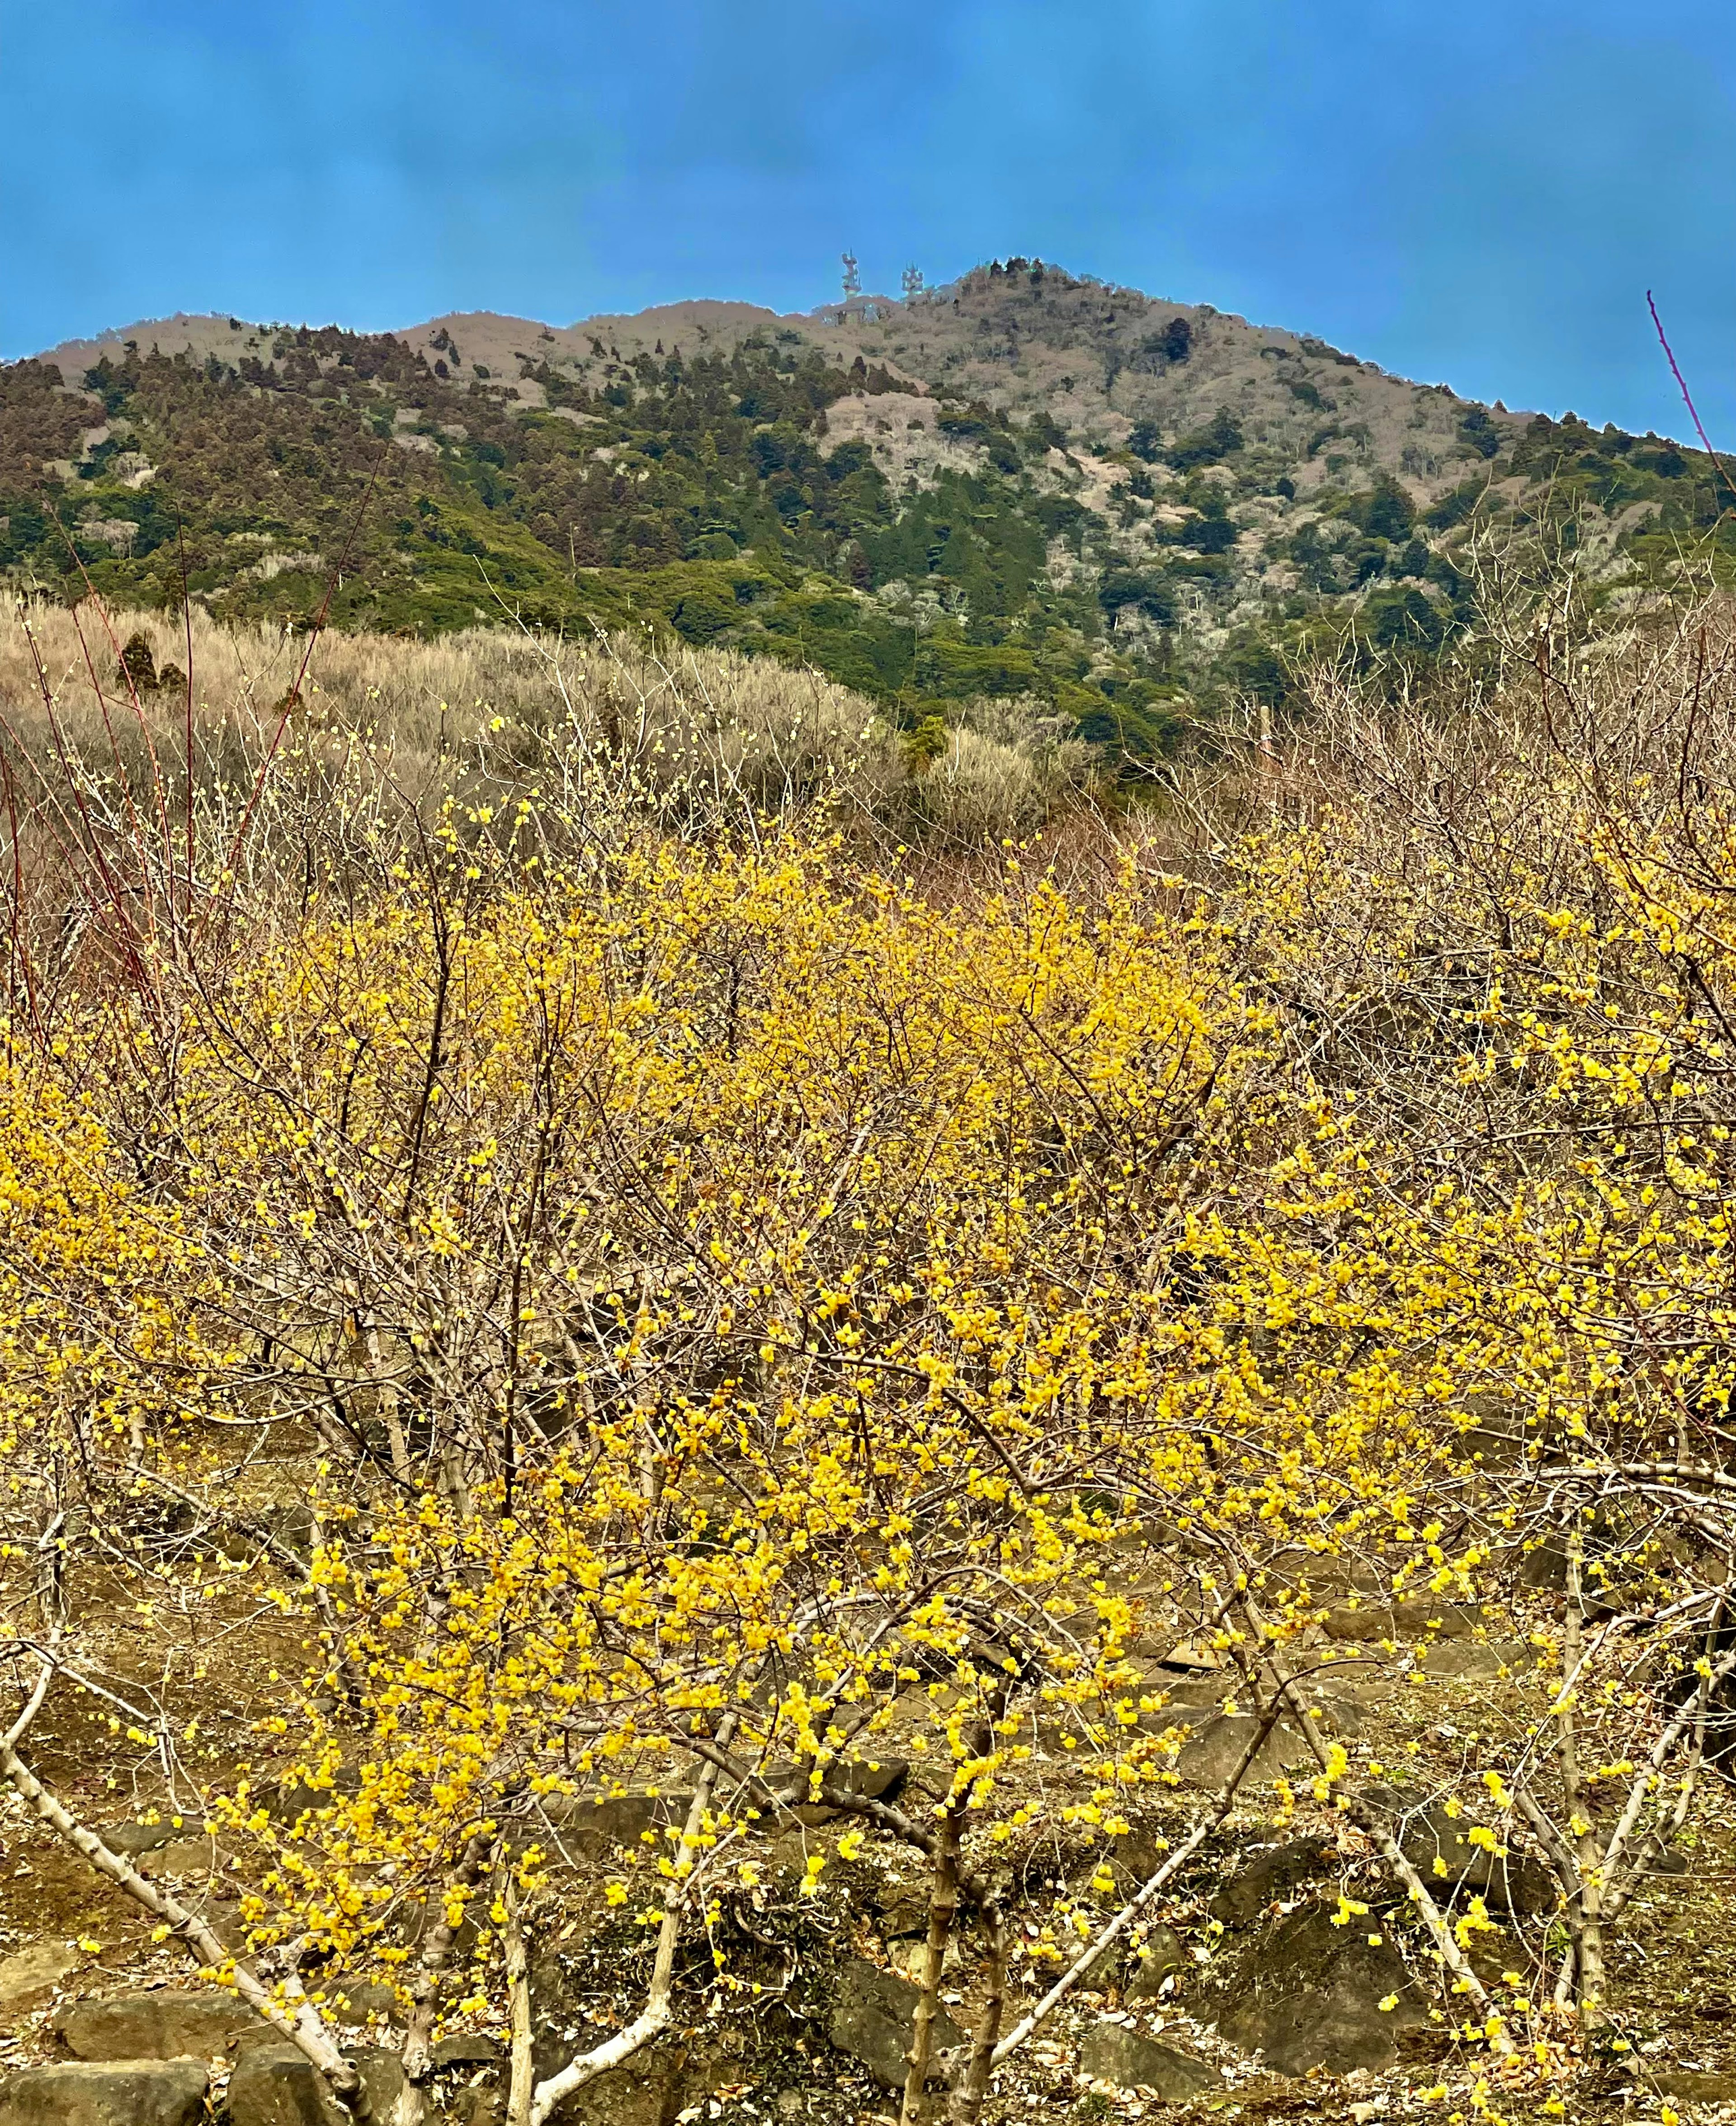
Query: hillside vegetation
point(716, 1461)
point(1023, 484)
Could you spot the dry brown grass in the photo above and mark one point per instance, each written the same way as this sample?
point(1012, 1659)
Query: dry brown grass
point(693, 732)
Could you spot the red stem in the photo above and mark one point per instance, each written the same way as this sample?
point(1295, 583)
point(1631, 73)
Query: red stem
point(187, 614)
point(1687, 396)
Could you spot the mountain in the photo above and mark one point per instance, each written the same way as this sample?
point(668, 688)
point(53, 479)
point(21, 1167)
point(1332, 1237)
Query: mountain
point(1024, 482)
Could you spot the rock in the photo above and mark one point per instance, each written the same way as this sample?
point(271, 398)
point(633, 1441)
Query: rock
point(1144, 1968)
point(480, 2107)
point(472, 2048)
point(1426, 1835)
point(274, 2086)
point(184, 1856)
point(1266, 1877)
point(1114, 2052)
point(156, 2026)
point(875, 1778)
point(872, 2015)
point(356, 2001)
point(648, 2094)
point(598, 1827)
point(1357, 1625)
point(118, 2093)
point(1211, 1753)
point(1437, 1620)
point(34, 1972)
point(299, 1798)
point(1699, 2088)
point(1307, 1994)
point(1470, 1661)
point(910, 1958)
point(133, 1839)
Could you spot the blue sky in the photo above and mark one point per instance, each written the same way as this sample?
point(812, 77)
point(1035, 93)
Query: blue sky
point(1479, 193)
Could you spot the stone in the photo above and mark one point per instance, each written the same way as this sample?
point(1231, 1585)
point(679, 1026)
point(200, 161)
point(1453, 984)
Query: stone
point(1362, 1623)
point(273, 2084)
point(469, 2049)
point(299, 1798)
point(598, 1827)
point(1471, 1660)
point(155, 2025)
point(1437, 1620)
point(1212, 1752)
point(875, 1778)
point(1145, 1966)
point(1426, 1835)
point(872, 2015)
point(133, 1839)
point(1307, 1994)
point(354, 2001)
point(32, 1973)
point(1698, 2087)
point(1266, 1878)
point(1114, 2052)
point(115, 2093)
point(648, 2094)
point(184, 1856)
point(909, 1958)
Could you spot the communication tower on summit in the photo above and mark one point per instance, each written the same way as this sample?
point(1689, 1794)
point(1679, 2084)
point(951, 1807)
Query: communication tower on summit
point(912, 283)
point(852, 278)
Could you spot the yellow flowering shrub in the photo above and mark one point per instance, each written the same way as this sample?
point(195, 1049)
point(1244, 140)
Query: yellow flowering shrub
point(697, 1320)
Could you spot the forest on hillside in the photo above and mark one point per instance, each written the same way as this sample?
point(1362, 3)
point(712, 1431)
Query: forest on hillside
point(1130, 581)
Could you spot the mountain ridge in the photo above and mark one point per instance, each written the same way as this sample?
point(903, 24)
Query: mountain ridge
point(1024, 482)
point(851, 324)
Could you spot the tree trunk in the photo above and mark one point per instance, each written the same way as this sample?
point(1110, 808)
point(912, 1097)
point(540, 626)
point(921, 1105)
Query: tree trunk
point(973, 2085)
point(943, 1903)
point(1586, 1912)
